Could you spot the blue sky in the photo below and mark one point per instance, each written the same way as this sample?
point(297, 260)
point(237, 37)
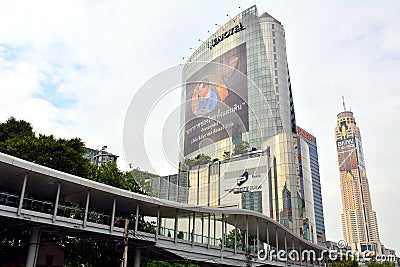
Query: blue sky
point(71, 68)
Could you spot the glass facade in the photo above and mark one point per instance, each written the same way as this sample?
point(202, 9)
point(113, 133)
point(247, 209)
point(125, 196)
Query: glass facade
point(236, 88)
point(266, 181)
point(316, 183)
point(237, 110)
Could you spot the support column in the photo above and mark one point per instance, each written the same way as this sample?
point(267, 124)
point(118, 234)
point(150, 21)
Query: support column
point(158, 222)
point(33, 247)
point(137, 218)
point(215, 227)
point(189, 236)
point(126, 244)
point(113, 215)
point(246, 237)
point(300, 256)
point(194, 227)
point(235, 243)
point(258, 237)
point(56, 203)
point(223, 233)
point(138, 257)
point(86, 209)
point(286, 250)
point(293, 248)
point(276, 241)
point(202, 228)
point(176, 226)
point(209, 231)
point(21, 198)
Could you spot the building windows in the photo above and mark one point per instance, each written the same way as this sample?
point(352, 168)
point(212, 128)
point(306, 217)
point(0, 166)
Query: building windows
point(252, 201)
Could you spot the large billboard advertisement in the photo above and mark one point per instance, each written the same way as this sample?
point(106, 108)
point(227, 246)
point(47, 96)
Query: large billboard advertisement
point(216, 100)
point(346, 140)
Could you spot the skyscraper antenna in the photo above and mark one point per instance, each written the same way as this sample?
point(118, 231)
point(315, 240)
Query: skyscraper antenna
point(344, 104)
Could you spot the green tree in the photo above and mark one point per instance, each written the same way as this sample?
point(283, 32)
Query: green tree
point(240, 239)
point(200, 159)
point(226, 155)
point(241, 148)
point(13, 128)
point(18, 139)
point(374, 263)
point(346, 263)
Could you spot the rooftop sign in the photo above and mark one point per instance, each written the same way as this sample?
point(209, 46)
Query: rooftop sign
point(225, 35)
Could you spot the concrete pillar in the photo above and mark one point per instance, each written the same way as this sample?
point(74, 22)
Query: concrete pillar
point(33, 247)
point(138, 257)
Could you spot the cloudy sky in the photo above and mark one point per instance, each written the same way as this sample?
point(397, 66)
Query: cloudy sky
point(71, 68)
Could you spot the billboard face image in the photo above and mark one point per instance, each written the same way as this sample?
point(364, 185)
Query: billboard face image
point(216, 100)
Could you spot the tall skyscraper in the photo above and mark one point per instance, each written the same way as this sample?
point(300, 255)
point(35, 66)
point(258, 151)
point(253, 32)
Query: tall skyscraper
point(360, 226)
point(237, 87)
point(316, 183)
point(237, 112)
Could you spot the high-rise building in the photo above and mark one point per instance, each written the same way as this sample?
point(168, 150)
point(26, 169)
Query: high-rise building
point(237, 88)
point(316, 183)
point(238, 142)
point(360, 226)
point(100, 157)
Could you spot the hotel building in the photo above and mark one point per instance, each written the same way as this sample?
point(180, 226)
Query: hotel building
point(237, 113)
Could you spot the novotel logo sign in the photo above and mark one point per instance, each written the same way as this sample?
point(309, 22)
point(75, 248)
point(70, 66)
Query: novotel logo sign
point(225, 35)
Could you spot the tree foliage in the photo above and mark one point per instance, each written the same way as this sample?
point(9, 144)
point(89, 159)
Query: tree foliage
point(200, 159)
point(241, 148)
point(374, 263)
point(226, 155)
point(18, 139)
point(240, 239)
point(346, 263)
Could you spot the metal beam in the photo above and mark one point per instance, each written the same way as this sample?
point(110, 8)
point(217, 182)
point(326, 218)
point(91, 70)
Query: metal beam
point(137, 218)
point(276, 241)
point(21, 198)
point(258, 236)
point(194, 227)
point(158, 222)
point(113, 214)
point(215, 227)
point(222, 236)
point(235, 243)
point(176, 226)
point(209, 230)
point(246, 237)
point(202, 228)
point(56, 203)
point(86, 209)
